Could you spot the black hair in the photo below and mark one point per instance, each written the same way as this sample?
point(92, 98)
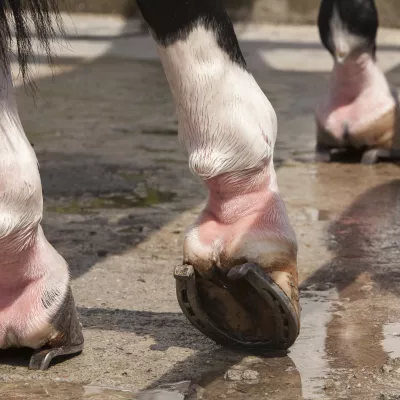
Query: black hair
point(360, 17)
point(172, 20)
point(16, 19)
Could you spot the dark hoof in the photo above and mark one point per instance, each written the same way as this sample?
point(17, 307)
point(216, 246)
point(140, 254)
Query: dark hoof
point(373, 156)
point(68, 341)
point(42, 358)
point(341, 154)
point(245, 310)
point(322, 154)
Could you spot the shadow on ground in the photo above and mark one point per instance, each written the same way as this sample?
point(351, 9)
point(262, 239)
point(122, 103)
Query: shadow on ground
point(366, 241)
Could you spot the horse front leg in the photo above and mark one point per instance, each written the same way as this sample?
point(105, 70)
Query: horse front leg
point(238, 283)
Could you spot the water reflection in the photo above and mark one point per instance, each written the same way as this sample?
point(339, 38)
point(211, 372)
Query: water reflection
point(69, 391)
point(298, 375)
point(364, 271)
point(309, 353)
point(391, 340)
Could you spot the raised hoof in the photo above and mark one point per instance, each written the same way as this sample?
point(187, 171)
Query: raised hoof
point(246, 310)
point(375, 155)
point(68, 340)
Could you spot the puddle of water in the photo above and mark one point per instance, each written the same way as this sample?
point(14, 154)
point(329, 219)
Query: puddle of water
point(174, 391)
point(308, 353)
point(299, 376)
point(69, 391)
point(271, 376)
point(115, 201)
point(60, 391)
point(391, 339)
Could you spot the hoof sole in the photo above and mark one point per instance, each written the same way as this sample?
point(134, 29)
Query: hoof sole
point(285, 324)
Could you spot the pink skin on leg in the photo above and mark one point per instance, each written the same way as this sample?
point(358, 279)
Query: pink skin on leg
point(38, 274)
point(358, 100)
point(33, 276)
point(245, 220)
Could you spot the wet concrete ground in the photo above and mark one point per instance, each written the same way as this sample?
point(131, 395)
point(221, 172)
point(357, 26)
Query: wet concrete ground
point(118, 197)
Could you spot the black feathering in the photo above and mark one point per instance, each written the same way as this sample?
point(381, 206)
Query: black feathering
point(17, 17)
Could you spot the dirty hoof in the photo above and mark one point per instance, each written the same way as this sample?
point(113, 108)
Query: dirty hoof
point(338, 155)
point(245, 309)
point(375, 155)
point(67, 340)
